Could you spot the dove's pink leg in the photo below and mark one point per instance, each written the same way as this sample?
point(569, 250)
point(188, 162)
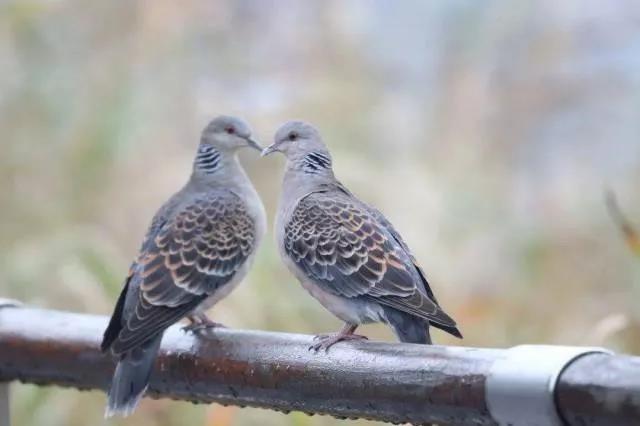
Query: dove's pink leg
point(201, 321)
point(325, 341)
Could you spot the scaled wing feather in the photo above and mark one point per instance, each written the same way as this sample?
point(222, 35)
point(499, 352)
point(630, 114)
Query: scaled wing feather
point(186, 260)
point(352, 251)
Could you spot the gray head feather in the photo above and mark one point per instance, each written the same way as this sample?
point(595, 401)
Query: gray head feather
point(297, 130)
point(302, 144)
point(220, 140)
point(222, 128)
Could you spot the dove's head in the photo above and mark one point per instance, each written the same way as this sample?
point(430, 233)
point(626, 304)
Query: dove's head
point(301, 143)
point(226, 133)
point(223, 136)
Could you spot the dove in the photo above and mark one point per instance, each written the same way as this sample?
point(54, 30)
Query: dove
point(198, 248)
point(345, 253)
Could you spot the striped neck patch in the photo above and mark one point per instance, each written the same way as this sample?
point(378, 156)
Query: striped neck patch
point(208, 159)
point(315, 161)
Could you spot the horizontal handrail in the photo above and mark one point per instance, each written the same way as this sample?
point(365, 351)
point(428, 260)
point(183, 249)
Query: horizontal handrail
point(383, 381)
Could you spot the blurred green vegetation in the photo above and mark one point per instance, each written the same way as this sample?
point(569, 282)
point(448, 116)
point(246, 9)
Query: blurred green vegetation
point(485, 131)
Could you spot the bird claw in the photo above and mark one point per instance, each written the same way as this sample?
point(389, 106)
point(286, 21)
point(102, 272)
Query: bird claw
point(325, 341)
point(196, 327)
point(325, 336)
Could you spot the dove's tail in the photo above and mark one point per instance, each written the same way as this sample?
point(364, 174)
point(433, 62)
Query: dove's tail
point(131, 378)
point(408, 328)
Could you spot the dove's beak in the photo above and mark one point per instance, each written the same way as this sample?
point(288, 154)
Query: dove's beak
point(252, 143)
point(269, 150)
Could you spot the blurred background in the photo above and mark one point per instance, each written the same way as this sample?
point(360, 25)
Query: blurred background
point(486, 131)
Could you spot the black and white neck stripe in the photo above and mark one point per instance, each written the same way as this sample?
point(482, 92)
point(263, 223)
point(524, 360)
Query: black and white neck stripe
point(208, 159)
point(314, 162)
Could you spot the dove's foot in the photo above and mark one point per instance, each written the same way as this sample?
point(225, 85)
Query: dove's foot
point(325, 341)
point(201, 322)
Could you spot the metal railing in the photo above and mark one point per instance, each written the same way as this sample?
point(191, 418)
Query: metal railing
point(383, 381)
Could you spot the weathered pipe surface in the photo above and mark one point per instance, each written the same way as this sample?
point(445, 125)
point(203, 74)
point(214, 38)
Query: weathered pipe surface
point(390, 382)
point(600, 390)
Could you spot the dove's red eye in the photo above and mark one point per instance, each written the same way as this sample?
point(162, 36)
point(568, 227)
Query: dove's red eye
point(293, 136)
point(230, 130)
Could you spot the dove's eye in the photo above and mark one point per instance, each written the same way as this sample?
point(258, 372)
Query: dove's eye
point(293, 136)
point(230, 130)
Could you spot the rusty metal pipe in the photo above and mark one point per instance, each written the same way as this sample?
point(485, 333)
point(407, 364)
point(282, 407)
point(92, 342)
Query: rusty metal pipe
point(382, 381)
point(600, 390)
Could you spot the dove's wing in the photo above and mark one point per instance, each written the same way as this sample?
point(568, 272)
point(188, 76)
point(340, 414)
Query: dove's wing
point(344, 247)
point(186, 260)
point(396, 235)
